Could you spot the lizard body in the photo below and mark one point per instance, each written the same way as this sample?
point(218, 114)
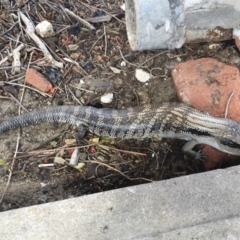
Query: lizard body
point(167, 120)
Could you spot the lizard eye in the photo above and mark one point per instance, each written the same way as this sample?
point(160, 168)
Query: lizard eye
point(229, 143)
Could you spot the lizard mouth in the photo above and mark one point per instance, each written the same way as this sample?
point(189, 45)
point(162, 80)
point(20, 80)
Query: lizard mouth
point(229, 143)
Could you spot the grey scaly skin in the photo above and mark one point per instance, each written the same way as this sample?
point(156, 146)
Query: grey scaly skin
point(167, 120)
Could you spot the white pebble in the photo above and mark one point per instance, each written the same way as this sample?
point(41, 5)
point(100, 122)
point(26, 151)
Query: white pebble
point(142, 76)
point(107, 98)
point(115, 70)
point(43, 184)
point(82, 81)
point(45, 29)
point(123, 7)
point(123, 64)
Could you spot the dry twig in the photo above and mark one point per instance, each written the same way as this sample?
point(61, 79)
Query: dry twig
point(25, 86)
point(19, 48)
point(30, 30)
point(228, 102)
point(119, 172)
point(95, 9)
point(11, 169)
point(82, 21)
point(19, 103)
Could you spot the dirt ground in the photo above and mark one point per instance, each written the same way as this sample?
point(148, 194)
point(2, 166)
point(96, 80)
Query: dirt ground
point(105, 164)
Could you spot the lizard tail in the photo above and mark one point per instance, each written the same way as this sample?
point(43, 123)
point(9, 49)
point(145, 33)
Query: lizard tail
point(63, 114)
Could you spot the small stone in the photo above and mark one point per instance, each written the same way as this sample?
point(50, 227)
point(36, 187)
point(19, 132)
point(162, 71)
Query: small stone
point(123, 64)
point(142, 76)
point(82, 81)
point(215, 46)
point(75, 55)
point(59, 160)
point(123, 7)
point(107, 98)
point(115, 70)
point(234, 59)
point(72, 47)
point(78, 93)
point(43, 184)
point(45, 29)
point(59, 18)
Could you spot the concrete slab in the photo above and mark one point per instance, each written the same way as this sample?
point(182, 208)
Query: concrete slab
point(201, 206)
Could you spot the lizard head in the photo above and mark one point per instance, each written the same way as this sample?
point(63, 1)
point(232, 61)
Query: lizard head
point(230, 138)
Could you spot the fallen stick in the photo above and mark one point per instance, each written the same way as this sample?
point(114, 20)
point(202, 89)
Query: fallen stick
point(18, 49)
point(30, 30)
point(82, 21)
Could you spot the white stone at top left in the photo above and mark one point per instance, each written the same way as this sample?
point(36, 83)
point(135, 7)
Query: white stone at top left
point(45, 29)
